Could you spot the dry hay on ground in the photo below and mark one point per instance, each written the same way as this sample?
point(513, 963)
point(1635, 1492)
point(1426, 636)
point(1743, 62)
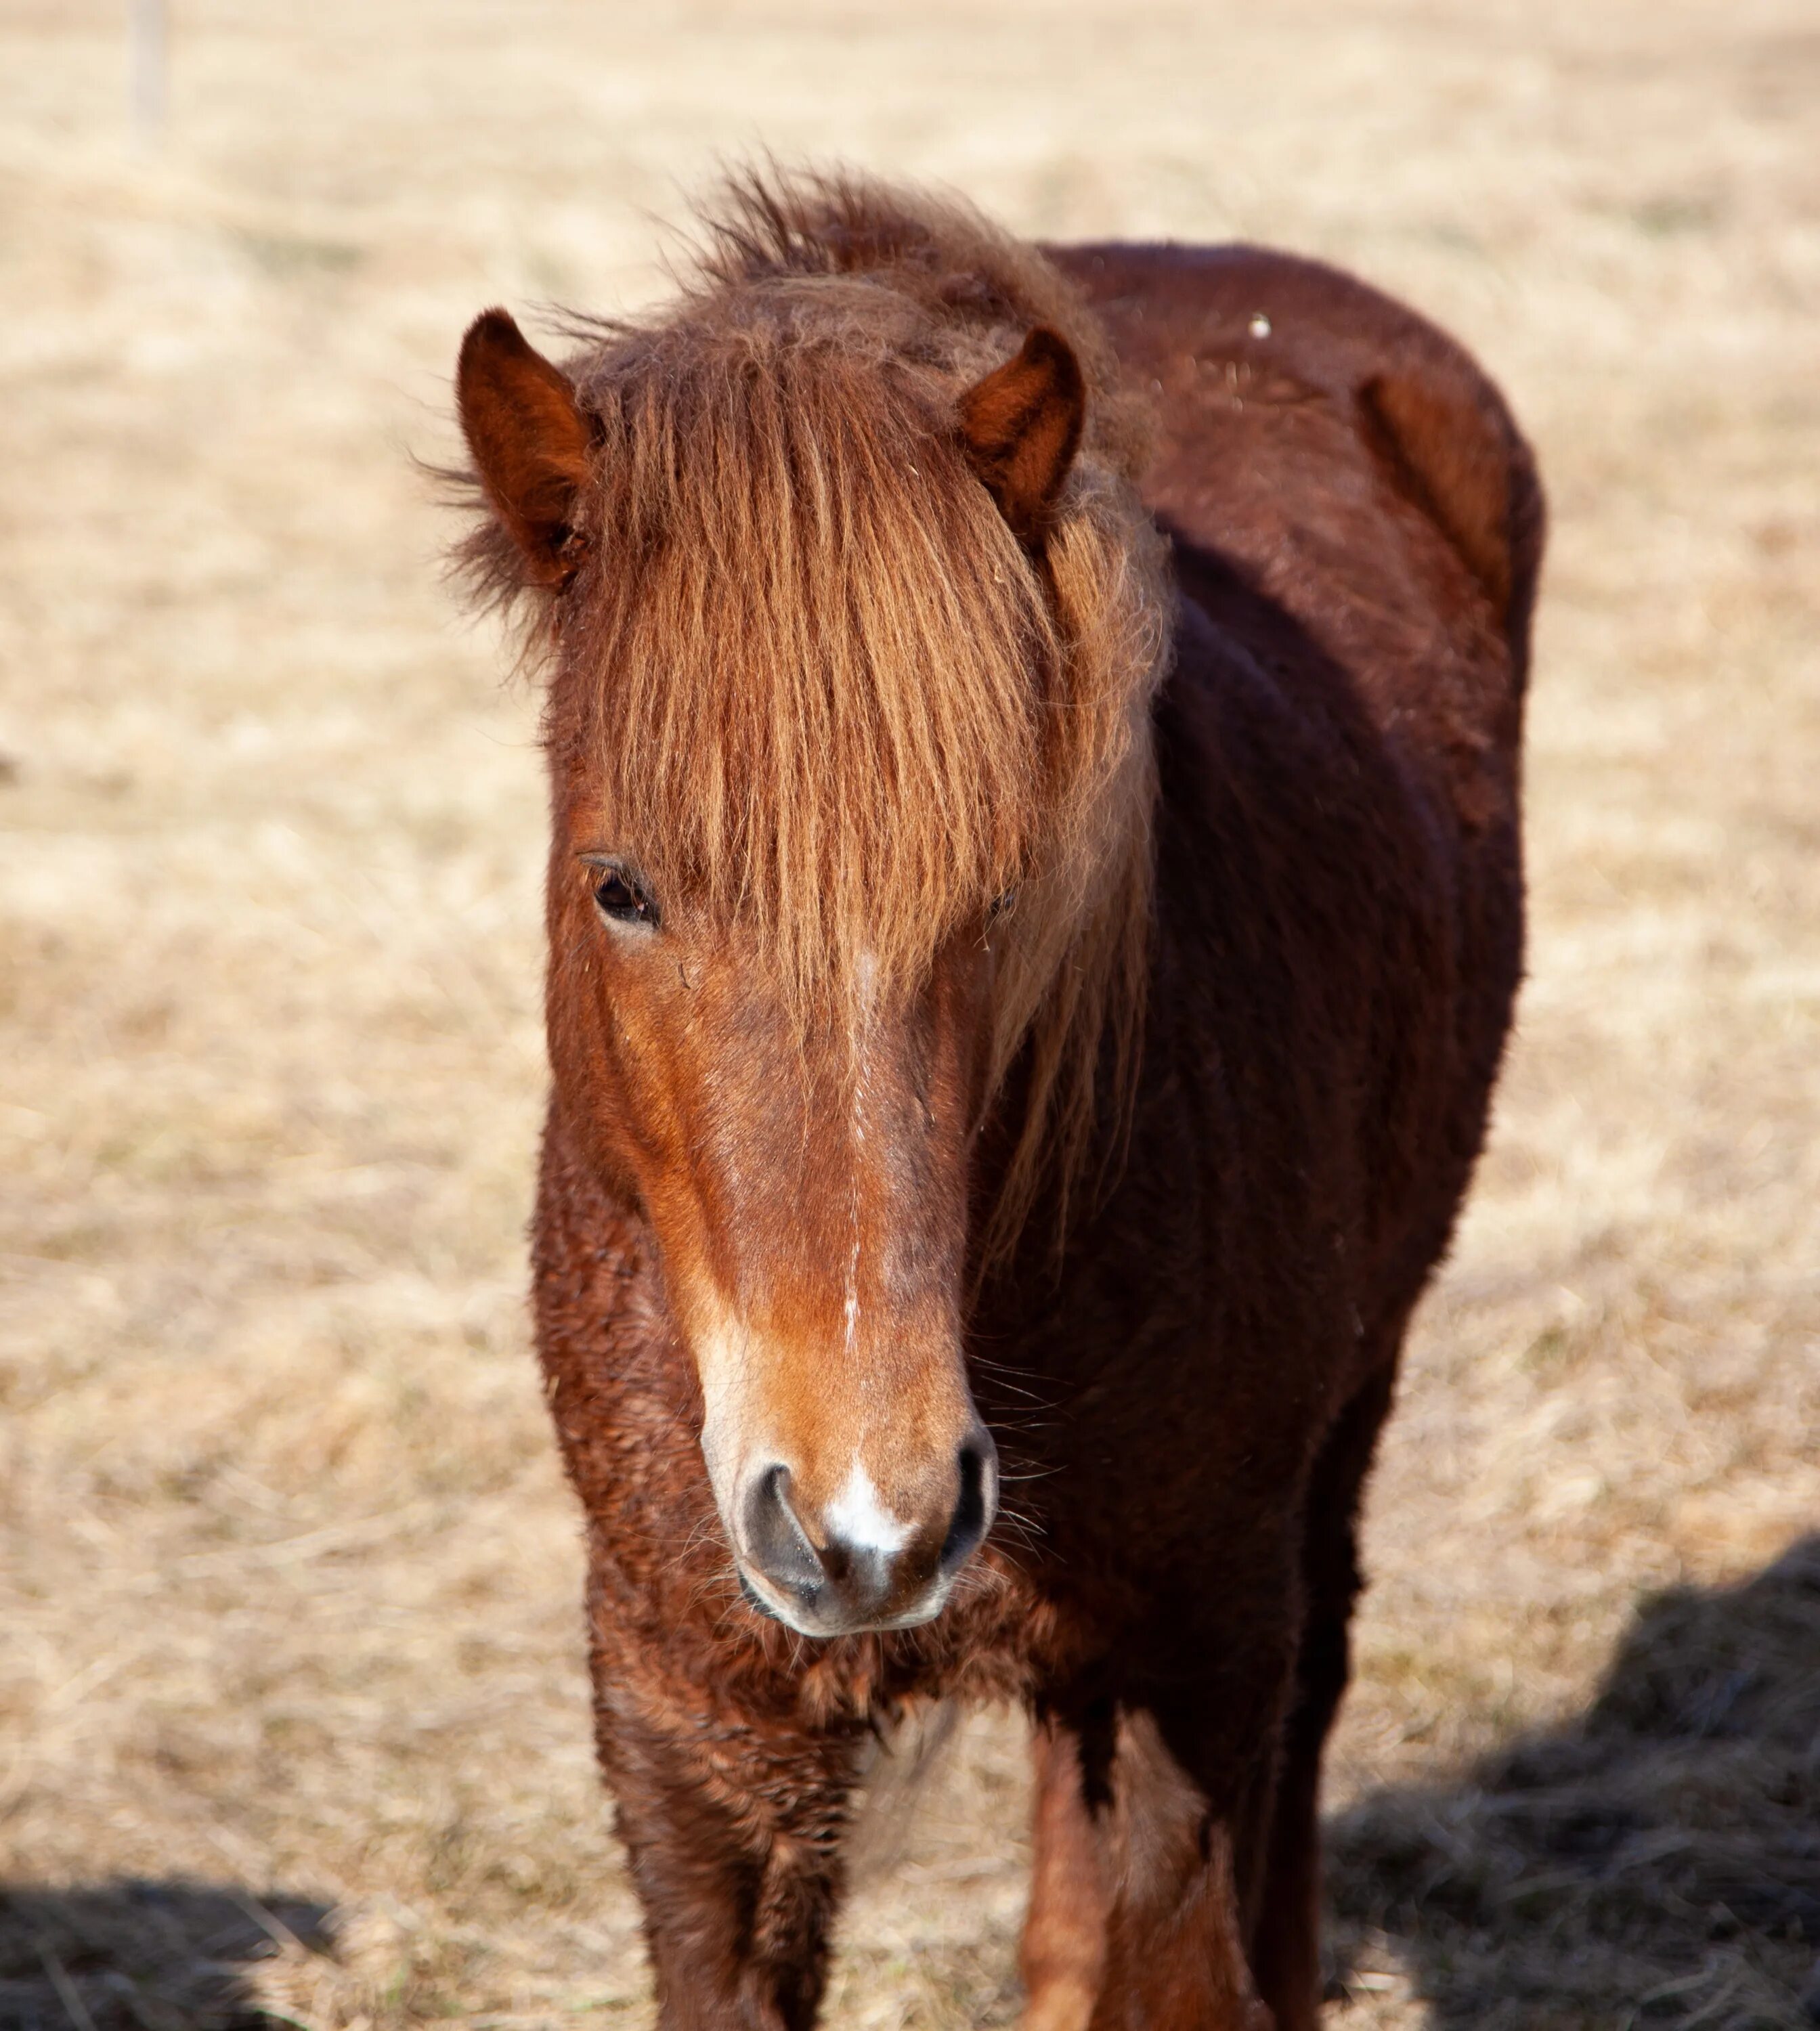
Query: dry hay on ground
point(292, 1713)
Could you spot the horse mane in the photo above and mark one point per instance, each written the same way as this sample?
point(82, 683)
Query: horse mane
point(822, 684)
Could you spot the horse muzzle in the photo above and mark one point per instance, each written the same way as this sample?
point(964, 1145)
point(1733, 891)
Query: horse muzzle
point(853, 1562)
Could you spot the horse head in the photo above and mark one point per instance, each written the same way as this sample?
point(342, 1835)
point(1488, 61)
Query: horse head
point(819, 829)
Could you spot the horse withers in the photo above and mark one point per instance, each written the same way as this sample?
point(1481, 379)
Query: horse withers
point(1034, 907)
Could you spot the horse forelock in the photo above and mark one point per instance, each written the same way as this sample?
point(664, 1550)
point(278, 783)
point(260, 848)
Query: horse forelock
point(819, 685)
point(813, 666)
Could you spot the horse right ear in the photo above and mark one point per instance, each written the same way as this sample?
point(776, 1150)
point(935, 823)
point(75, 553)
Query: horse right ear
point(1020, 428)
point(529, 441)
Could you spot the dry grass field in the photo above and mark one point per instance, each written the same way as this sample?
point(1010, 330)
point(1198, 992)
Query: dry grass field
point(293, 1713)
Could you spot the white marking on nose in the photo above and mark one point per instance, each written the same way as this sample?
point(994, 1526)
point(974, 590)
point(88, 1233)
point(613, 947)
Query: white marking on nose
point(860, 1520)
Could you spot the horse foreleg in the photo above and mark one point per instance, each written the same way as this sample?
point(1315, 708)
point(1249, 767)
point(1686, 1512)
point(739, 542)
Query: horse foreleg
point(1175, 1944)
point(1062, 1957)
point(733, 1829)
point(1285, 1950)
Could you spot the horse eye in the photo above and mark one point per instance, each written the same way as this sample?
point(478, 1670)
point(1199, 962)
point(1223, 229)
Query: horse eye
point(1002, 905)
point(620, 897)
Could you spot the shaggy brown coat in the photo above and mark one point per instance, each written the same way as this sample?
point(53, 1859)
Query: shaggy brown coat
point(1213, 657)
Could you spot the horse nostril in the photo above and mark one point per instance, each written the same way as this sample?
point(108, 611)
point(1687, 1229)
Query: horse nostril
point(775, 1541)
point(978, 1460)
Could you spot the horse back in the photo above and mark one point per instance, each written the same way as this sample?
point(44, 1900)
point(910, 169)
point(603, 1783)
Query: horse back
point(1346, 457)
point(1355, 527)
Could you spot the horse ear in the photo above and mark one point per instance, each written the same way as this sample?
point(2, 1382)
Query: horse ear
point(529, 441)
point(1021, 427)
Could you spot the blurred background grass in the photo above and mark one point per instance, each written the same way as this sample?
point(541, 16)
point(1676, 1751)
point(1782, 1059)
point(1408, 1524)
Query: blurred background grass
point(292, 1715)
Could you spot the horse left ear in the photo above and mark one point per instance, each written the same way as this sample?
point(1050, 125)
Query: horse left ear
point(529, 441)
point(1021, 426)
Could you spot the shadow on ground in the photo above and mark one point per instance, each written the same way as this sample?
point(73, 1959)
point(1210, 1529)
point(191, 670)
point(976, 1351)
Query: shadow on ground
point(138, 1956)
point(1655, 1864)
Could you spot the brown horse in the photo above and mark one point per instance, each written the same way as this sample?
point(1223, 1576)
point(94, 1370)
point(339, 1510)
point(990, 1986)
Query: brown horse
point(1034, 909)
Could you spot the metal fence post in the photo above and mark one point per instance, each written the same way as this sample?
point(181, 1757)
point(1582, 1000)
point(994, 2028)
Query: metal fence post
point(148, 32)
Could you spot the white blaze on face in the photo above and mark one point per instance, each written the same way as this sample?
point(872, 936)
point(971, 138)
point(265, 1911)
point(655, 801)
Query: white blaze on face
point(862, 1072)
point(860, 1521)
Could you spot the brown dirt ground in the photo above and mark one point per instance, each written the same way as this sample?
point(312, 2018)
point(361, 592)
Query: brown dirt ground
point(292, 1709)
